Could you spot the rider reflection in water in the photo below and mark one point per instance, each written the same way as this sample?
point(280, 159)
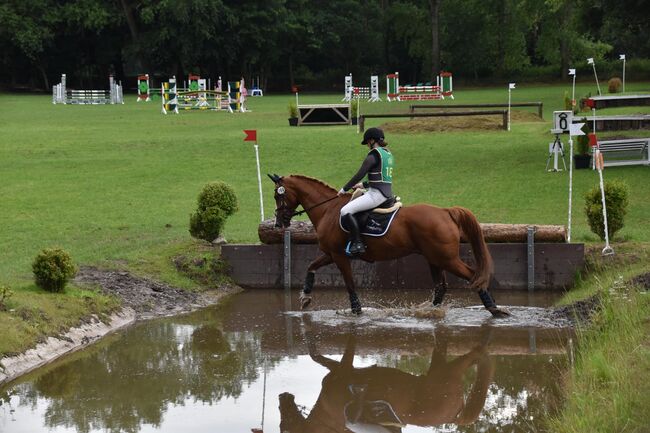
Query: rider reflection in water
point(378, 165)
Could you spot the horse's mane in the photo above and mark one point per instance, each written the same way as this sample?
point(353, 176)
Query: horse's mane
point(313, 179)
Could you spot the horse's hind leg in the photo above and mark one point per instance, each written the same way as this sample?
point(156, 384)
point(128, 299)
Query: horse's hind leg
point(460, 269)
point(343, 263)
point(305, 296)
point(439, 284)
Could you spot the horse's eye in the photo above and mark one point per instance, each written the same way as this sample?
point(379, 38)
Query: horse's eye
point(281, 190)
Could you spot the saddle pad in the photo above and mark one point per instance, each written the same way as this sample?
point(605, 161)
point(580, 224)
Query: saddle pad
point(371, 223)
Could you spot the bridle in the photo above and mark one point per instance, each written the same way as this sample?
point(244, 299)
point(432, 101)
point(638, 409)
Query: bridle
point(280, 191)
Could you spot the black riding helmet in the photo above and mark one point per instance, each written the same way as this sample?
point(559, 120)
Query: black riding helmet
point(373, 133)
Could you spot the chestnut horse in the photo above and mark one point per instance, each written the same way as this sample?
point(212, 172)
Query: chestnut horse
point(435, 398)
point(431, 231)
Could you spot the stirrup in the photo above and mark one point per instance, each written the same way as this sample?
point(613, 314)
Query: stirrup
point(355, 248)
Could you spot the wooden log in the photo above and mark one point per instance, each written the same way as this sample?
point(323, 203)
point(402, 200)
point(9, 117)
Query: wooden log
point(302, 232)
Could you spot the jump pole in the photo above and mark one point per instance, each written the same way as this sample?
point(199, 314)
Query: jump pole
point(590, 61)
point(575, 129)
point(622, 57)
point(510, 87)
point(573, 89)
point(608, 250)
point(251, 135)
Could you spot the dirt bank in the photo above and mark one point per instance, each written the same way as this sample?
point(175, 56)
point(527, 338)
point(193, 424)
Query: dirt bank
point(141, 299)
point(149, 298)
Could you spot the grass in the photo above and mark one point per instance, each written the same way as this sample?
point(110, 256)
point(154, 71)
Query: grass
point(608, 388)
point(115, 185)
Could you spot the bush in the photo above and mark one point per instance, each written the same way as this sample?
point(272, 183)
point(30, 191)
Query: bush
point(616, 199)
point(582, 142)
point(5, 293)
point(293, 109)
point(583, 102)
point(216, 202)
point(354, 108)
point(614, 85)
point(52, 269)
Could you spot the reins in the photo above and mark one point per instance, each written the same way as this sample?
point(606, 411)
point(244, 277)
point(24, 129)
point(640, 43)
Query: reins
point(314, 206)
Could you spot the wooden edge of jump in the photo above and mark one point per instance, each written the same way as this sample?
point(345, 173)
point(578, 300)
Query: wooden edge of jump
point(302, 232)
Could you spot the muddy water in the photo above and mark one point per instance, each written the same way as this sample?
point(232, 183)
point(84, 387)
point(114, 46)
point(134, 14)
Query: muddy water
point(249, 362)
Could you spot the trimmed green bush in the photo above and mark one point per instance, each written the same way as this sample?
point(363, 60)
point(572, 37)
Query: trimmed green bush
point(614, 85)
point(216, 202)
point(53, 268)
point(616, 199)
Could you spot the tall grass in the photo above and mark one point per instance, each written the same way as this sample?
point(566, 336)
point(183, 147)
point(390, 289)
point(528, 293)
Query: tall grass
point(608, 388)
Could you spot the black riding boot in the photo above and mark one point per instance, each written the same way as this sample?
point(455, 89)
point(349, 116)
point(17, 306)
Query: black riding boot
point(355, 246)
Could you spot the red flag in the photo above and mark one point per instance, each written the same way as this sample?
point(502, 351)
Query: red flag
point(251, 135)
point(593, 142)
point(590, 103)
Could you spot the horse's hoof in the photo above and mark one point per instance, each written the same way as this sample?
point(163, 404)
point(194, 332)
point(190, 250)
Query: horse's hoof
point(305, 300)
point(500, 312)
point(356, 310)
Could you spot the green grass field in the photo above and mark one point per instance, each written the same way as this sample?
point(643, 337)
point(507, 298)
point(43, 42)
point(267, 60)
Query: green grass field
point(107, 182)
point(115, 185)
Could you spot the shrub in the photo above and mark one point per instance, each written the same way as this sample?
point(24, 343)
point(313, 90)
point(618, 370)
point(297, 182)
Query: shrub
point(354, 108)
point(614, 85)
point(5, 293)
point(568, 106)
point(293, 109)
point(216, 202)
point(616, 199)
point(52, 268)
point(583, 102)
point(582, 142)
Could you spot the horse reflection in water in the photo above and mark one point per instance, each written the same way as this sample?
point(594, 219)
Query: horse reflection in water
point(383, 400)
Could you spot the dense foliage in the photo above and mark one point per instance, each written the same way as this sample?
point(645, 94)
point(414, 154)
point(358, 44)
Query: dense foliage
point(52, 268)
point(216, 202)
point(312, 44)
point(616, 200)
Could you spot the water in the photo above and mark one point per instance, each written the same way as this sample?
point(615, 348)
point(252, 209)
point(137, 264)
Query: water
point(235, 366)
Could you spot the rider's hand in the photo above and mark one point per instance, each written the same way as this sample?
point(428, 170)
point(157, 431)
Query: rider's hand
point(341, 192)
point(358, 186)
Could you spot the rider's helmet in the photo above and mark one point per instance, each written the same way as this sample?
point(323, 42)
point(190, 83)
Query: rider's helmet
point(373, 133)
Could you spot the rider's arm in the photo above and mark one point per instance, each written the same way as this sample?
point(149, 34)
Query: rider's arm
point(370, 160)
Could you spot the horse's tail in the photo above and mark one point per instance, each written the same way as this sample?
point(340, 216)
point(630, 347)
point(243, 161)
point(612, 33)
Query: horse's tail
point(470, 227)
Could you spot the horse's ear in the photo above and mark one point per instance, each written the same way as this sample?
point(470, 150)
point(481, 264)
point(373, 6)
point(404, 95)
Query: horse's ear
point(270, 177)
point(275, 178)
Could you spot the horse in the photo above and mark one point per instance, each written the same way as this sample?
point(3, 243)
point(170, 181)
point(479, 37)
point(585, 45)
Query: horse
point(384, 399)
point(433, 232)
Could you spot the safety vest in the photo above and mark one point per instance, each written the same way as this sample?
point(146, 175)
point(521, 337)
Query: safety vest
point(383, 173)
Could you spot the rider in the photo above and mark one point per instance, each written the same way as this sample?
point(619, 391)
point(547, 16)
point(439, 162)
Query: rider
point(378, 165)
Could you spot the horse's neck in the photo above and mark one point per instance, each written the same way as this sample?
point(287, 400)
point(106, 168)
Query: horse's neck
point(312, 193)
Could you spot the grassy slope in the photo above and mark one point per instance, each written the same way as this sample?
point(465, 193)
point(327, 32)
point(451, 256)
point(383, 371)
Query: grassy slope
point(608, 388)
point(115, 185)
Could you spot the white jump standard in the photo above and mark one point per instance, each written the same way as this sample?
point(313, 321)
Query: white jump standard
point(61, 94)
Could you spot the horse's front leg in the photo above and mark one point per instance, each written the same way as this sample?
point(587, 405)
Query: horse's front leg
point(344, 265)
point(305, 296)
point(439, 284)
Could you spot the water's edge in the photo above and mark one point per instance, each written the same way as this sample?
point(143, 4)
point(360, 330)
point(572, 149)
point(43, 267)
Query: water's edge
point(76, 338)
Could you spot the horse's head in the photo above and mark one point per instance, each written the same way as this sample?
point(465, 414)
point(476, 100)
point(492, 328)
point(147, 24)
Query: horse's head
point(285, 202)
point(291, 419)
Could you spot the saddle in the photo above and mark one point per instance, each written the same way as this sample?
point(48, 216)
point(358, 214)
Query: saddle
point(377, 221)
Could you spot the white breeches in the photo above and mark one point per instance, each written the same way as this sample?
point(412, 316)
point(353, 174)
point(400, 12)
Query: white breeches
point(370, 200)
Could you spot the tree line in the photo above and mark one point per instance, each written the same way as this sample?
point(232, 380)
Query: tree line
point(313, 44)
